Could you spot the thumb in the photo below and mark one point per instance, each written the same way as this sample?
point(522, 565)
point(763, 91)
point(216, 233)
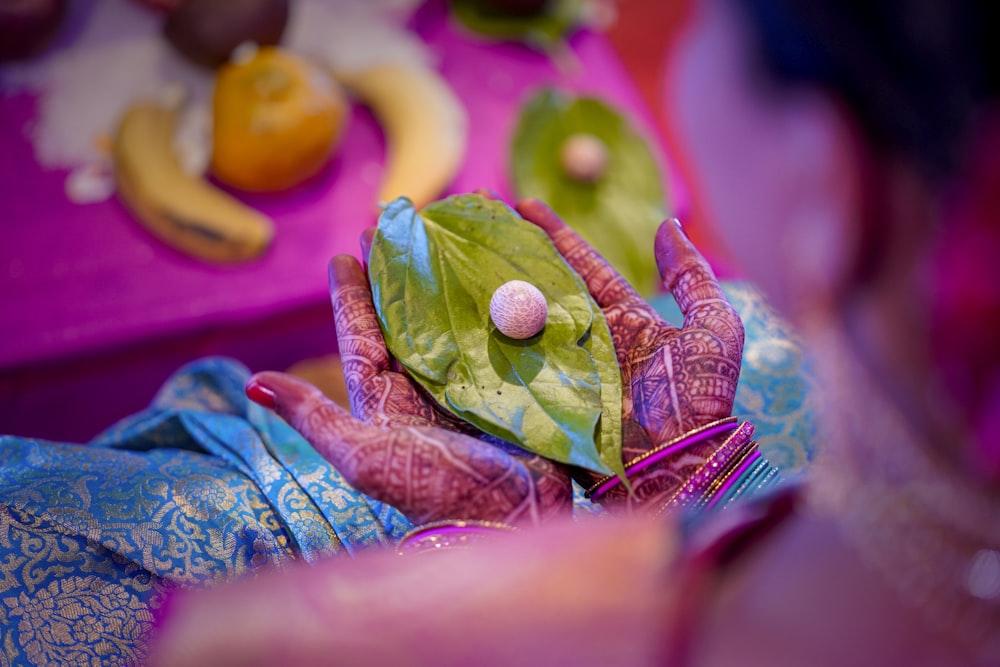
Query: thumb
point(426, 472)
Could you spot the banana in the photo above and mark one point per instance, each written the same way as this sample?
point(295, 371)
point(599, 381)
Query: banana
point(183, 210)
point(425, 124)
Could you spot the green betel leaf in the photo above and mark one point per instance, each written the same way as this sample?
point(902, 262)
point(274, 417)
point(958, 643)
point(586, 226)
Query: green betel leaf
point(433, 274)
point(618, 212)
point(609, 430)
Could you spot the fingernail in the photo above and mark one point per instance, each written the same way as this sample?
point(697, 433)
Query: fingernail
point(677, 222)
point(345, 270)
point(367, 239)
point(260, 394)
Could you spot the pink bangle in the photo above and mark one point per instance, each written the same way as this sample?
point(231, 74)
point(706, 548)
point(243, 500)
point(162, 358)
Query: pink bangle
point(753, 457)
point(737, 447)
point(661, 452)
point(442, 535)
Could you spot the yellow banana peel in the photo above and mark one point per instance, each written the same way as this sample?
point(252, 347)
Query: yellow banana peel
point(425, 124)
point(184, 210)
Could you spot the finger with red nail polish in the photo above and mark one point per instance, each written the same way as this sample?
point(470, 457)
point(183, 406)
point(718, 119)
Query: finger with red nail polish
point(260, 394)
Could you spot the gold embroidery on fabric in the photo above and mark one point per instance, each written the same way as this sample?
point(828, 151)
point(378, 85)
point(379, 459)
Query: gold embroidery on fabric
point(203, 498)
point(777, 389)
point(183, 526)
point(80, 620)
point(50, 616)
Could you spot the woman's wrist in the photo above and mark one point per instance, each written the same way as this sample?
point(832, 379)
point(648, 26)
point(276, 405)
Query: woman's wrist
point(722, 470)
point(636, 469)
point(704, 468)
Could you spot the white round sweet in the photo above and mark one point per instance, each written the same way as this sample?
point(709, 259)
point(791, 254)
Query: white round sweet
point(518, 309)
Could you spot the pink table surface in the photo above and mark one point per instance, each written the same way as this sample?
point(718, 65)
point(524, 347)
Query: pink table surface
point(90, 300)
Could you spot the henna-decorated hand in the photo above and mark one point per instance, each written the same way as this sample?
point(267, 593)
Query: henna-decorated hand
point(400, 447)
point(674, 378)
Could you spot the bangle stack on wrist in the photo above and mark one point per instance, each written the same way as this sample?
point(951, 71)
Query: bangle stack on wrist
point(446, 535)
point(734, 469)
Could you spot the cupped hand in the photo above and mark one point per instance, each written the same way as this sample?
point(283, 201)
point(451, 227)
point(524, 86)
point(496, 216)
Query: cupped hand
point(399, 446)
point(675, 378)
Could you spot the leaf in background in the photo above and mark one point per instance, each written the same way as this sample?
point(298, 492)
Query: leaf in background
point(432, 276)
point(618, 213)
point(544, 30)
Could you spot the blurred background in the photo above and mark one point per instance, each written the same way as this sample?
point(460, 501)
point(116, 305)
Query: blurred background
point(176, 174)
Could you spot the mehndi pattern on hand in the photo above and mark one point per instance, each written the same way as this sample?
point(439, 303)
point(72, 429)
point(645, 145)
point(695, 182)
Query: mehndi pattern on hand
point(675, 378)
point(399, 446)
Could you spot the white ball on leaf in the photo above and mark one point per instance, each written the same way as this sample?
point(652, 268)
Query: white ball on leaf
point(518, 309)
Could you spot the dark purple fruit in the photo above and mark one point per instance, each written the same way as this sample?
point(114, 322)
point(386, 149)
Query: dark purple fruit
point(515, 7)
point(207, 31)
point(27, 26)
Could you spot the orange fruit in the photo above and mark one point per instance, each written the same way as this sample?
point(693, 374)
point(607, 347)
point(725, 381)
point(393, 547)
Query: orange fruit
point(276, 120)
